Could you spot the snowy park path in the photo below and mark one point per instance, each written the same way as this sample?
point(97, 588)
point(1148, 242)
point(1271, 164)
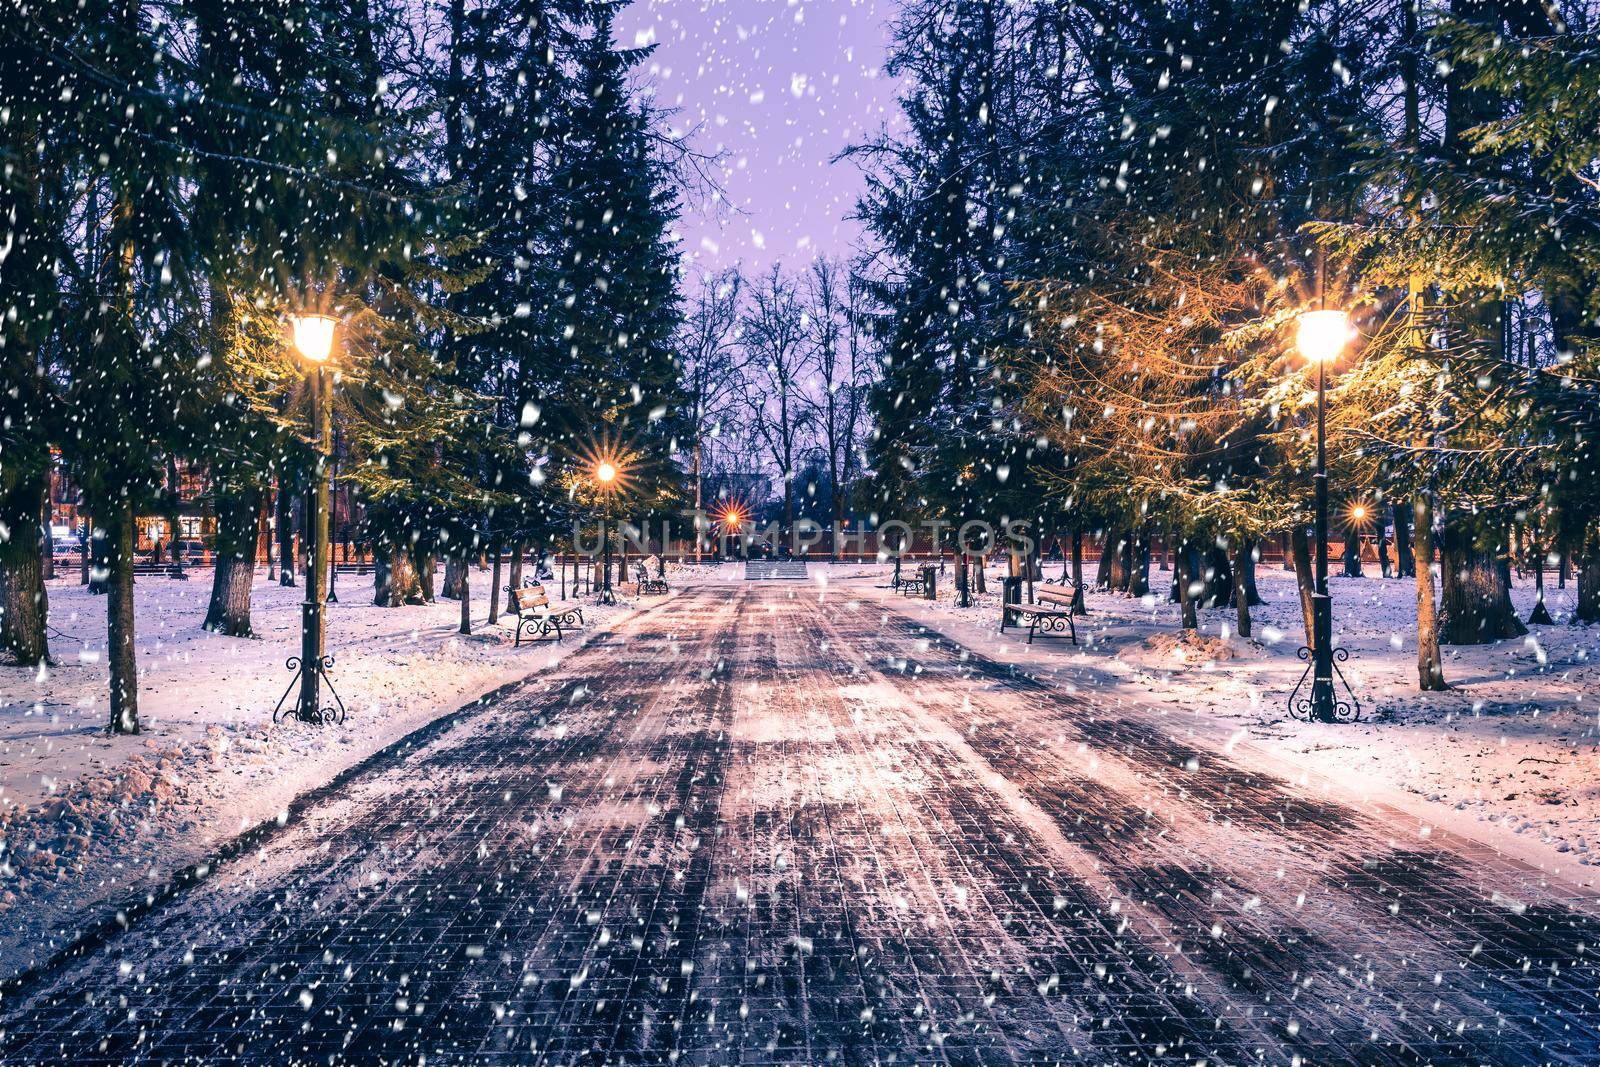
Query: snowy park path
point(743, 827)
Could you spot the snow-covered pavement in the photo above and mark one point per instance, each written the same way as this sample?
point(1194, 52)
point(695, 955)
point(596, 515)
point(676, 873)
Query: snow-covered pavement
point(88, 819)
point(780, 822)
point(1511, 752)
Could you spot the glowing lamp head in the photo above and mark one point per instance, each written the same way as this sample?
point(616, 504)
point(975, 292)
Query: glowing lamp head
point(606, 472)
point(313, 336)
point(1359, 513)
point(732, 518)
point(1322, 335)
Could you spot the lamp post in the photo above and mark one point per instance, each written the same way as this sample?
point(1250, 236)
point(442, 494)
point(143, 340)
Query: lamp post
point(605, 473)
point(313, 337)
point(731, 520)
point(333, 527)
point(1321, 338)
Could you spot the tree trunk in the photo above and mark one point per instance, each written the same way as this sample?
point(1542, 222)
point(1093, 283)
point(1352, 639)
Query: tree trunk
point(24, 606)
point(1588, 608)
point(494, 587)
point(1078, 605)
point(1241, 590)
point(514, 571)
point(264, 534)
point(1300, 555)
point(119, 622)
point(1110, 552)
point(1404, 556)
point(1540, 616)
point(174, 518)
point(1185, 581)
point(1218, 575)
point(427, 568)
point(47, 546)
point(394, 577)
point(455, 577)
point(1430, 666)
point(1475, 608)
point(272, 547)
point(85, 537)
point(1245, 572)
point(464, 594)
point(285, 535)
point(1139, 571)
point(1352, 554)
point(100, 569)
point(238, 512)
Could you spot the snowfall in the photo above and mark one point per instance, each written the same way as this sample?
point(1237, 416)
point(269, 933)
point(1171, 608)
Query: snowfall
point(1509, 755)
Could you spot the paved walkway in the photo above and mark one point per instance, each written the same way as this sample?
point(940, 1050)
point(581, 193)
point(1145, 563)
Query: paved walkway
point(740, 829)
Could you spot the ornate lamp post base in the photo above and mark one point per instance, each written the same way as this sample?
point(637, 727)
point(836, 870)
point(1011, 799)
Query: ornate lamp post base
point(606, 596)
point(1322, 665)
point(307, 675)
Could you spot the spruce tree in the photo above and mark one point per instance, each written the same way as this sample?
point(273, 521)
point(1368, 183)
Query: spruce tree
point(616, 312)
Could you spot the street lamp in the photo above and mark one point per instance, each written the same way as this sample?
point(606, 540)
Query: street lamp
point(1321, 338)
point(731, 520)
point(605, 472)
point(313, 337)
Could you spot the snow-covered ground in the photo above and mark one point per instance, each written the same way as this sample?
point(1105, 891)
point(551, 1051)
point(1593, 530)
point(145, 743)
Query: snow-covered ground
point(1510, 754)
point(85, 816)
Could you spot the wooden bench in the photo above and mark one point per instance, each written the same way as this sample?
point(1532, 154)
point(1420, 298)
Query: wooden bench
point(649, 585)
point(537, 616)
point(1050, 617)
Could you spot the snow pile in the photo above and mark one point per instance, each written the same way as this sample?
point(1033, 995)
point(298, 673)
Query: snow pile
point(1186, 648)
point(143, 799)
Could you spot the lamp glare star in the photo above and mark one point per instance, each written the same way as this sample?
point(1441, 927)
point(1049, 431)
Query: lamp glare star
point(1322, 335)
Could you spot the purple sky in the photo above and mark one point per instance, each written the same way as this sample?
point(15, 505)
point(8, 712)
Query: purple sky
point(777, 87)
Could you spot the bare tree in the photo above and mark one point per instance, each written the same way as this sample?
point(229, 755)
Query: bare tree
point(773, 376)
point(709, 351)
point(835, 393)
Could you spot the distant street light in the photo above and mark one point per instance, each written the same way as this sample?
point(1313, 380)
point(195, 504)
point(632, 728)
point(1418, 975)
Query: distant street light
point(731, 520)
point(313, 336)
point(1321, 338)
point(605, 472)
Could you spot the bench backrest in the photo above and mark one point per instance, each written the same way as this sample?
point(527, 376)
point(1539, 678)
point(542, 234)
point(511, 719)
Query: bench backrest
point(1047, 594)
point(532, 596)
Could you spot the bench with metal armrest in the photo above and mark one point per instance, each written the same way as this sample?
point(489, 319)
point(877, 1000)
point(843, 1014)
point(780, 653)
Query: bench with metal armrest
point(538, 617)
point(1050, 617)
point(649, 584)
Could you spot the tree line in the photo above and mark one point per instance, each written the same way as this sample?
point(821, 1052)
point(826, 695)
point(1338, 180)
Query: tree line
point(475, 191)
point(1099, 224)
point(778, 369)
